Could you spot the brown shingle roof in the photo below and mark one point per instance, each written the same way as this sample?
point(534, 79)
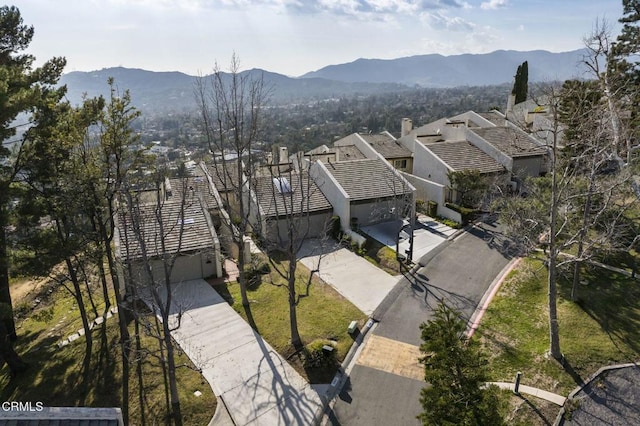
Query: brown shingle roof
point(462, 155)
point(196, 232)
point(221, 180)
point(197, 184)
point(387, 146)
point(492, 117)
point(349, 152)
point(305, 195)
point(513, 142)
point(367, 179)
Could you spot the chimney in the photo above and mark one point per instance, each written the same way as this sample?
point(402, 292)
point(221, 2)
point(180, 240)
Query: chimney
point(406, 126)
point(275, 154)
point(511, 101)
point(284, 155)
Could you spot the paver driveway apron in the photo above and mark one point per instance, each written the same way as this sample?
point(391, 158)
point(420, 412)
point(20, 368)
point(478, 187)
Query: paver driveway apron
point(257, 386)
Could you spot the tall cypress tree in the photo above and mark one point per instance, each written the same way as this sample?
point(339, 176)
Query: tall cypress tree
point(521, 84)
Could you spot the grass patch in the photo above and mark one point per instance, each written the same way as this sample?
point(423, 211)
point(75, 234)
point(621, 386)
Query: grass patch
point(381, 256)
point(55, 376)
point(323, 315)
point(602, 329)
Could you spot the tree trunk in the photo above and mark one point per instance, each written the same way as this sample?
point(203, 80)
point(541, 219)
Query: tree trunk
point(176, 412)
point(296, 341)
point(583, 232)
point(554, 332)
point(5, 294)
point(8, 354)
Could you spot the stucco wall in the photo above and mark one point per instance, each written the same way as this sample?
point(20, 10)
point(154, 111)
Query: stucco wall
point(336, 196)
point(314, 227)
point(427, 166)
point(187, 267)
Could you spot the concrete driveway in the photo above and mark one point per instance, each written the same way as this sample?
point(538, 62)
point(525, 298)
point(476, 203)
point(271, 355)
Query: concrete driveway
point(249, 378)
point(359, 281)
point(427, 235)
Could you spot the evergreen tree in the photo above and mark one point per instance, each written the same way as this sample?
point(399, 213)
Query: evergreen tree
point(521, 84)
point(22, 90)
point(456, 371)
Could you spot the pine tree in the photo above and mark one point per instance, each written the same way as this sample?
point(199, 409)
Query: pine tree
point(455, 369)
point(22, 89)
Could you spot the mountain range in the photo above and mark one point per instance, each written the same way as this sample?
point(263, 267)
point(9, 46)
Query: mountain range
point(171, 91)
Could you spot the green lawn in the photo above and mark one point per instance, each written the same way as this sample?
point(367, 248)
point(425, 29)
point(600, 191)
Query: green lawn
point(323, 315)
point(602, 329)
point(55, 375)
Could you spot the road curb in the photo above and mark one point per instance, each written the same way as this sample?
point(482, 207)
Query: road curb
point(489, 295)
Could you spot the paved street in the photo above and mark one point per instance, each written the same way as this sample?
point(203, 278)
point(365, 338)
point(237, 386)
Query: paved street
point(381, 391)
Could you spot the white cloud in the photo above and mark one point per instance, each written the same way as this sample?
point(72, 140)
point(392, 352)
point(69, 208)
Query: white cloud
point(441, 21)
point(493, 4)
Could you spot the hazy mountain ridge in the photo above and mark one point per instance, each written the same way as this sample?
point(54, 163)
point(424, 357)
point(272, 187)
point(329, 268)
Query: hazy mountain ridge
point(162, 92)
point(175, 91)
point(457, 70)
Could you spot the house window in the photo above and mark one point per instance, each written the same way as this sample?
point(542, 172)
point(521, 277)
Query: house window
point(282, 185)
point(400, 164)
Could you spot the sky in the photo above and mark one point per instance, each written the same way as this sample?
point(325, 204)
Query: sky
point(293, 37)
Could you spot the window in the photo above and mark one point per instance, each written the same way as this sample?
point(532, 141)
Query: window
point(282, 185)
point(400, 164)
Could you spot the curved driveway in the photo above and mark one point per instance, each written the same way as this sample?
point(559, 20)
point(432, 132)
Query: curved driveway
point(459, 273)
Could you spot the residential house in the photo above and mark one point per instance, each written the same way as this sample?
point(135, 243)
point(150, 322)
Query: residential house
point(364, 191)
point(178, 229)
point(386, 145)
point(288, 198)
point(470, 141)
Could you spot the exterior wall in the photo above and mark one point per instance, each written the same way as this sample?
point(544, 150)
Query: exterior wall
point(331, 189)
point(277, 230)
point(427, 190)
point(371, 212)
point(527, 166)
point(187, 267)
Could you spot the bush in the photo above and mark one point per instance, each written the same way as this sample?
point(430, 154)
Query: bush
point(450, 223)
point(254, 272)
point(316, 357)
point(466, 212)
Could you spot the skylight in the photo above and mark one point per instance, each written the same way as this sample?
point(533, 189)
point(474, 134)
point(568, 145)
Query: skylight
point(282, 185)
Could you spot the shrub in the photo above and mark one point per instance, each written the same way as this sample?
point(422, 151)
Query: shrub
point(316, 357)
point(466, 212)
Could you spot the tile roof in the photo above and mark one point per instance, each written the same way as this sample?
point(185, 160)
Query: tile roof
point(217, 172)
point(305, 195)
point(199, 184)
point(64, 416)
point(349, 152)
point(196, 232)
point(492, 117)
point(387, 146)
point(462, 155)
point(367, 179)
point(513, 142)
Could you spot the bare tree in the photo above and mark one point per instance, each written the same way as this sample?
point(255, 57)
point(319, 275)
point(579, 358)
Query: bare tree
point(153, 241)
point(231, 113)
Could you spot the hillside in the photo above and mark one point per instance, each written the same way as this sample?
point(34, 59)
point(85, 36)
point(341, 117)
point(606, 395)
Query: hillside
point(457, 70)
point(174, 91)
